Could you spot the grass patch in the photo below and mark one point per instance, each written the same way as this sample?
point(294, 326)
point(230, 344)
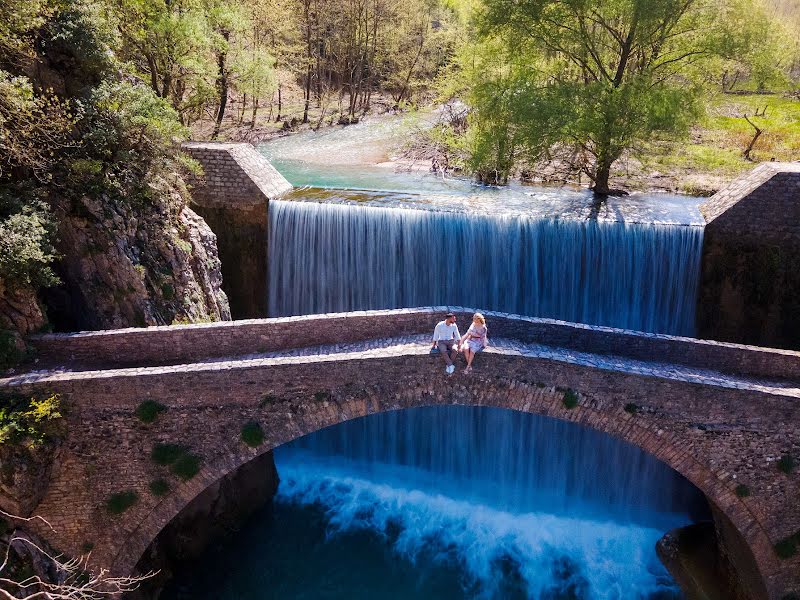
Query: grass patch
point(252, 434)
point(148, 410)
point(166, 454)
point(159, 487)
point(570, 399)
point(121, 501)
point(186, 466)
point(786, 463)
point(742, 490)
point(631, 408)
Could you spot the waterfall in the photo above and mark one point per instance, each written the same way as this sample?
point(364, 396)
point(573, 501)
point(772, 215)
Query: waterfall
point(568, 511)
point(328, 257)
point(517, 462)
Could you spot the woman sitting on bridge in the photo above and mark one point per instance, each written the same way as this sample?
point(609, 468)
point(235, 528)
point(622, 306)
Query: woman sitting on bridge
point(477, 338)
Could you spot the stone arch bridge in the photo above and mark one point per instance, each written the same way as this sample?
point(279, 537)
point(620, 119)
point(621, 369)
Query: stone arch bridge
point(720, 414)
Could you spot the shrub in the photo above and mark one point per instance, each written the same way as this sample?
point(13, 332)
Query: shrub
point(252, 434)
point(159, 487)
point(786, 463)
point(631, 408)
point(742, 490)
point(570, 399)
point(29, 419)
point(321, 395)
point(166, 454)
point(87, 547)
point(121, 501)
point(148, 410)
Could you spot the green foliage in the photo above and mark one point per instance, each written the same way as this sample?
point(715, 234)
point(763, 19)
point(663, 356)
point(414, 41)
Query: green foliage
point(570, 399)
point(26, 234)
point(186, 466)
point(252, 434)
point(29, 420)
point(167, 454)
point(742, 491)
point(87, 547)
point(121, 501)
point(786, 463)
point(148, 411)
point(321, 395)
point(631, 408)
point(10, 354)
point(159, 487)
point(578, 84)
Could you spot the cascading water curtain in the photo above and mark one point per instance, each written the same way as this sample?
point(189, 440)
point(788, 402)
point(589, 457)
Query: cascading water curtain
point(340, 257)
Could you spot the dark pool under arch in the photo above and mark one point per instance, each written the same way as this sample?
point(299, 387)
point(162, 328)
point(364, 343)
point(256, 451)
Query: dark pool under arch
point(451, 502)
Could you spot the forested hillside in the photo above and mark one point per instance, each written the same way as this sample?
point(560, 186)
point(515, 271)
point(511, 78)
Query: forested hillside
point(96, 95)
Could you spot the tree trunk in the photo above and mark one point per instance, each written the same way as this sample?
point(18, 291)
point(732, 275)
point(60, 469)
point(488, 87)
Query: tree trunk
point(222, 85)
point(601, 176)
point(255, 111)
point(278, 118)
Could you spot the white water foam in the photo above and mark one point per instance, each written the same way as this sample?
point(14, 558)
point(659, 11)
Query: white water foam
point(551, 554)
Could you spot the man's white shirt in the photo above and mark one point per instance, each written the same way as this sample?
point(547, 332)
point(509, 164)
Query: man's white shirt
point(445, 332)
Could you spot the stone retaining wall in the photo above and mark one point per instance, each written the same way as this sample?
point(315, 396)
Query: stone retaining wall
point(232, 197)
point(750, 282)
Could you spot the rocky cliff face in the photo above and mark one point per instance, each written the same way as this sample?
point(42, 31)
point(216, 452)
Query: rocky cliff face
point(126, 266)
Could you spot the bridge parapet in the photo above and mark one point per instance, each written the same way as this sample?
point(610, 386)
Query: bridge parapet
point(191, 343)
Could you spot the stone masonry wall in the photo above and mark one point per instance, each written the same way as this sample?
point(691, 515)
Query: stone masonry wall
point(232, 197)
point(717, 435)
point(750, 282)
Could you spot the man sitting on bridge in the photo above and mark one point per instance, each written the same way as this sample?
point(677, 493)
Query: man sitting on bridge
point(445, 337)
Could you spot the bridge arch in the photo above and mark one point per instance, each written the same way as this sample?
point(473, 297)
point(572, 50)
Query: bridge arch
point(509, 394)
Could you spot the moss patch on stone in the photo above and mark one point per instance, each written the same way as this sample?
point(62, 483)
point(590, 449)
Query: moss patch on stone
point(159, 487)
point(148, 411)
point(786, 463)
point(167, 454)
point(570, 399)
point(252, 434)
point(742, 490)
point(631, 408)
point(787, 547)
point(186, 466)
point(121, 501)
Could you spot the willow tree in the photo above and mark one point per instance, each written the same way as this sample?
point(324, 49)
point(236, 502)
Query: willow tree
point(585, 80)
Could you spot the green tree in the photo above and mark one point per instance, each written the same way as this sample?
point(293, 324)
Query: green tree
point(583, 81)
